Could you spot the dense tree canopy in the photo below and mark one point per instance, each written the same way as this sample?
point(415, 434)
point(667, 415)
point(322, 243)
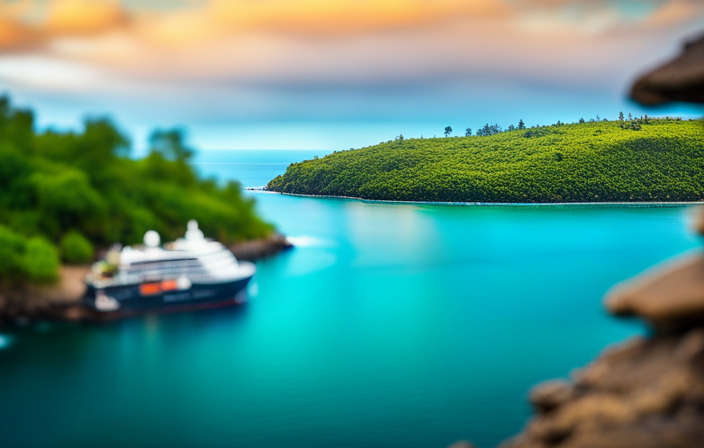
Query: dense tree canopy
point(64, 193)
point(661, 160)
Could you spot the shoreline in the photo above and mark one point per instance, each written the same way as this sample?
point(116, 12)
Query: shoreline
point(62, 300)
point(491, 204)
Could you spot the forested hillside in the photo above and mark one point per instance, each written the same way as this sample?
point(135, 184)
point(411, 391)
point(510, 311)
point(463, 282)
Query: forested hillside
point(643, 160)
point(64, 194)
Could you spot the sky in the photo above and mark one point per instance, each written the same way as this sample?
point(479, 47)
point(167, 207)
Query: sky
point(333, 74)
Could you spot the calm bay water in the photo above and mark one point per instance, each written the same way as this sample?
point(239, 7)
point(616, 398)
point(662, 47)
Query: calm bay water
point(389, 325)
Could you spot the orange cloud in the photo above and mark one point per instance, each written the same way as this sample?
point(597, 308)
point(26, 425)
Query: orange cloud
point(214, 18)
point(200, 22)
point(280, 41)
point(218, 19)
point(14, 34)
point(675, 12)
point(83, 16)
point(28, 23)
point(311, 17)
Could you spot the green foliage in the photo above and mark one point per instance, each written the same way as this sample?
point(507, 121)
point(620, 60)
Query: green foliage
point(169, 143)
point(75, 248)
point(488, 130)
point(41, 261)
point(540, 132)
point(590, 162)
point(26, 259)
point(55, 183)
point(12, 249)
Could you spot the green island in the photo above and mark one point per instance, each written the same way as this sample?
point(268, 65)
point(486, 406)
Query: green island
point(641, 160)
point(64, 195)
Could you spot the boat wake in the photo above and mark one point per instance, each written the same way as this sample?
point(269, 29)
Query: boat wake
point(308, 241)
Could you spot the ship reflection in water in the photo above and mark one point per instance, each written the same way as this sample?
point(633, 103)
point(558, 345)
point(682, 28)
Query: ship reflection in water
point(189, 273)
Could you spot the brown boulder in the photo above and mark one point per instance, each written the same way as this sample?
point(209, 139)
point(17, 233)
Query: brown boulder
point(669, 296)
point(699, 221)
point(646, 393)
point(682, 79)
point(550, 395)
point(261, 248)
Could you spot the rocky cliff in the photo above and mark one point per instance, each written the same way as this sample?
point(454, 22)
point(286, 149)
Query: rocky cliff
point(647, 392)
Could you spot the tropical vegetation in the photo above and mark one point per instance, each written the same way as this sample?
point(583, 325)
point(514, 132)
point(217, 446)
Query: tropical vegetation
point(65, 194)
point(645, 159)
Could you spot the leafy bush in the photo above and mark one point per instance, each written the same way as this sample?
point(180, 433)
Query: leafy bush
point(41, 261)
point(21, 259)
point(75, 248)
point(586, 162)
point(12, 249)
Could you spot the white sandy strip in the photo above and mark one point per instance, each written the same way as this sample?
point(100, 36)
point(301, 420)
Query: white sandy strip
point(497, 204)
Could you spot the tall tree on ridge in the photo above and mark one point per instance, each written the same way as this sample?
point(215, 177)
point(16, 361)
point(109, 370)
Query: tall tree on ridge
point(468, 132)
point(448, 131)
point(521, 125)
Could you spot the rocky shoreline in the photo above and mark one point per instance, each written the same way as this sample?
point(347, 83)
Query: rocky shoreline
point(261, 248)
point(61, 301)
point(647, 392)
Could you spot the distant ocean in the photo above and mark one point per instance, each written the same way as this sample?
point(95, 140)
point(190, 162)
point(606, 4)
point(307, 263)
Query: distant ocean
point(253, 168)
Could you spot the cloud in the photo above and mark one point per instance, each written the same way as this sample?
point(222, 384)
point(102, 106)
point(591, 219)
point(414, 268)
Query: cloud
point(675, 12)
point(345, 17)
point(14, 34)
point(275, 54)
point(84, 17)
point(27, 24)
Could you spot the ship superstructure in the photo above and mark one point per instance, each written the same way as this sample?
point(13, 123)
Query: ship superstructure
point(190, 272)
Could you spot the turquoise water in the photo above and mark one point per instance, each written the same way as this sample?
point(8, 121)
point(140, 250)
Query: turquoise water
point(388, 326)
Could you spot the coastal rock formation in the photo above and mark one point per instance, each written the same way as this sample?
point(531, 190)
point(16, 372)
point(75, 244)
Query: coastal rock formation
point(261, 248)
point(644, 393)
point(670, 297)
point(647, 392)
point(682, 79)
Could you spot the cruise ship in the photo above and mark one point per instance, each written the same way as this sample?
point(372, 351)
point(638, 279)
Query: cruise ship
point(190, 273)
